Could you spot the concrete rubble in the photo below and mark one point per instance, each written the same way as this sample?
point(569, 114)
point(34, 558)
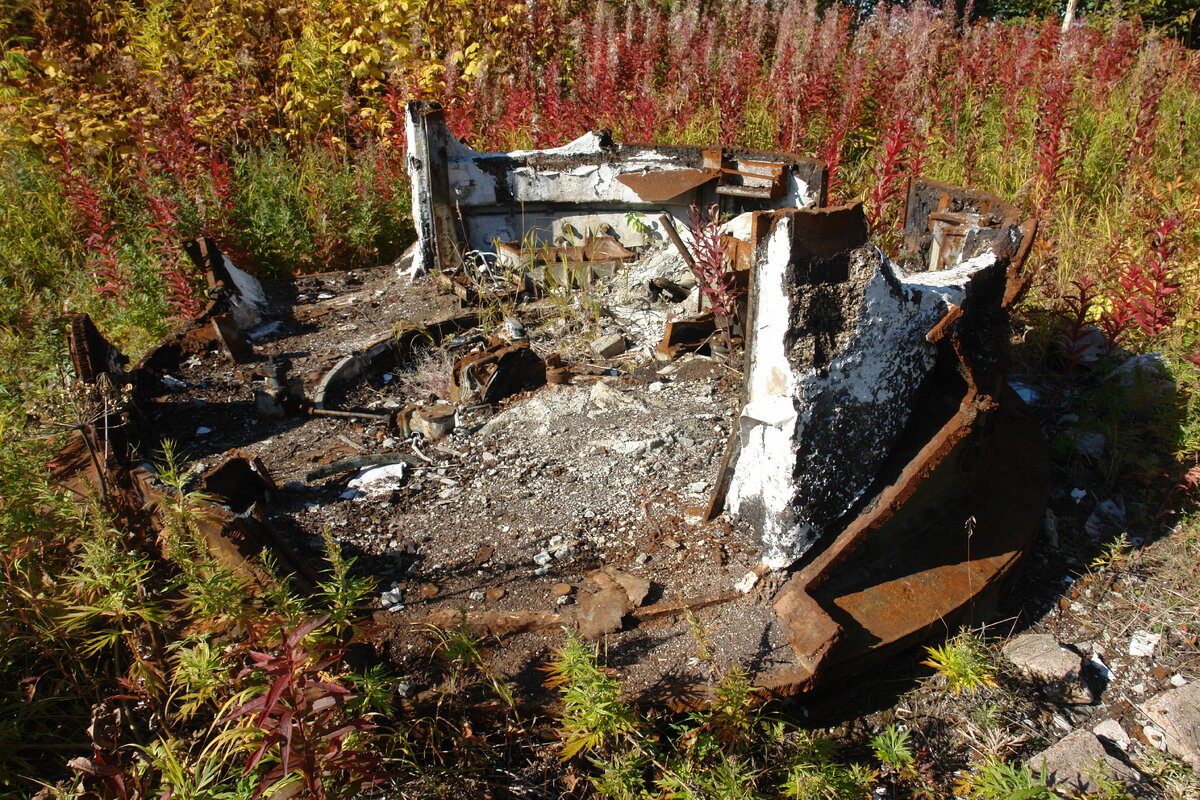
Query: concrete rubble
point(1077, 763)
point(1053, 667)
point(1176, 714)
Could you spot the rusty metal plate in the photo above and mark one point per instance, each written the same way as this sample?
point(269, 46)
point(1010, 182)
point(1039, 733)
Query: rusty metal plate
point(663, 185)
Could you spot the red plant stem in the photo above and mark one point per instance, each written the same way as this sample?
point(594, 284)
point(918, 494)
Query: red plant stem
point(93, 223)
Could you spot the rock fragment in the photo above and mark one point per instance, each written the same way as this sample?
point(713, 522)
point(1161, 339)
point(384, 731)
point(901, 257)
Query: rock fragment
point(1143, 643)
point(1055, 668)
point(1111, 730)
point(1078, 762)
point(1176, 712)
point(609, 346)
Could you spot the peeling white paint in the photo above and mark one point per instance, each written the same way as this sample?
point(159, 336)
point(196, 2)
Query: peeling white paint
point(866, 389)
point(768, 422)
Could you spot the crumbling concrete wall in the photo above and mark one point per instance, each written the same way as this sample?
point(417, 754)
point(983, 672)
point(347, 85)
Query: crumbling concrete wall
point(467, 200)
point(840, 350)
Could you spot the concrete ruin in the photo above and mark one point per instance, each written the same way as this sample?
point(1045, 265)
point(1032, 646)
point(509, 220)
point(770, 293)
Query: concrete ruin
point(841, 342)
point(887, 480)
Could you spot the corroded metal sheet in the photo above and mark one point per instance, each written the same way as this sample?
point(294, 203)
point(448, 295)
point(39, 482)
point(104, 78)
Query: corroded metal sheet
point(662, 185)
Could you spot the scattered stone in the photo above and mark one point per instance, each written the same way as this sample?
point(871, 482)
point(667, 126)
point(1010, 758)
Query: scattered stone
point(1058, 670)
point(1111, 730)
point(476, 595)
point(636, 588)
point(1076, 763)
point(671, 544)
point(642, 558)
point(1144, 367)
point(1078, 494)
point(561, 589)
point(542, 558)
point(430, 590)
point(1143, 643)
point(484, 554)
point(1176, 712)
point(202, 431)
point(1091, 445)
point(747, 582)
point(1155, 736)
point(639, 447)
point(601, 612)
point(1050, 529)
point(1106, 519)
point(494, 593)
point(609, 346)
point(1178, 680)
point(606, 398)
point(392, 599)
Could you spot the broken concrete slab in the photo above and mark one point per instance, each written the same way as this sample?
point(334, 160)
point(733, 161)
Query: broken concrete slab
point(1176, 712)
point(1056, 669)
point(1076, 764)
point(839, 353)
point(610, 346)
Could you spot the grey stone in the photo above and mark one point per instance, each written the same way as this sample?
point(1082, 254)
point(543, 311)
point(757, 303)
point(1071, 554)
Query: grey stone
point(1107, 519)
point(608, 346)
point(1076, 762)
point(1054, 667)
point(1147, 368)
point(1091, 445)
point(605, 397)
point(1176, 712)
point(1111, 730)
point(1050, 528)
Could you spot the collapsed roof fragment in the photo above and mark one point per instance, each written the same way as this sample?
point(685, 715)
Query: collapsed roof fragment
point(889, 481)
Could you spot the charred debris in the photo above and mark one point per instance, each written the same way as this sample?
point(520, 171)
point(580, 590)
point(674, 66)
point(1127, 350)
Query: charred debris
point(763, 422)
